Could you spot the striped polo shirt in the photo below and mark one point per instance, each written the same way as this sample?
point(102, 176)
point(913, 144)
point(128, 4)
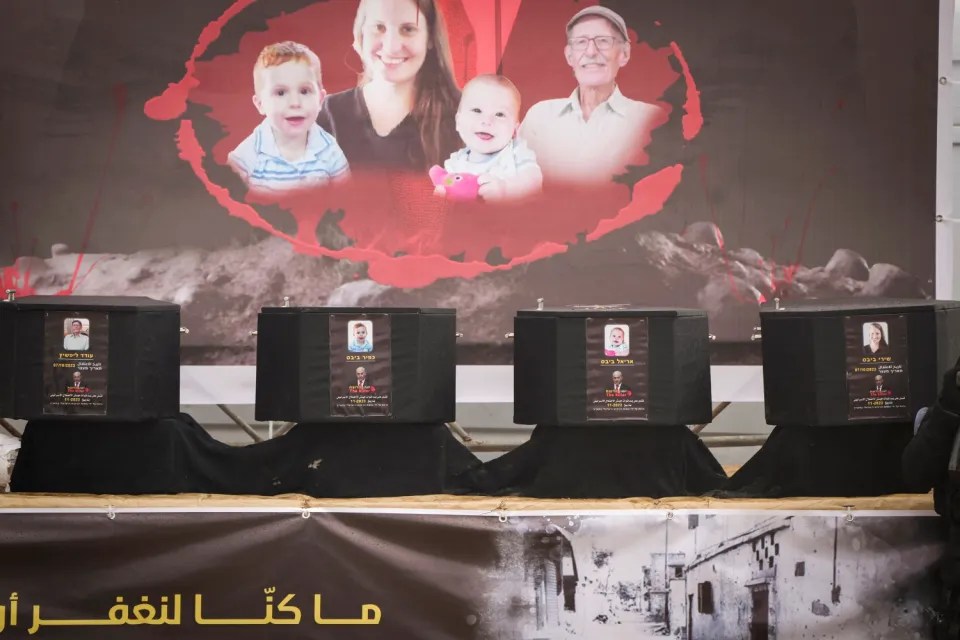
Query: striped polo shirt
point(259, 161)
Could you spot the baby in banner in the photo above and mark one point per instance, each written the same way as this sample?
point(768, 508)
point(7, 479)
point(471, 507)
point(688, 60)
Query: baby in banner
point(617, 344)
point(288, 150)
point(495, 164)
point(359, 341)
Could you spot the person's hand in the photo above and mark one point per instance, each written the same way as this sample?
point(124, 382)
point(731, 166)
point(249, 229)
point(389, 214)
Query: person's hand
point(950, 390)
point(491, 187)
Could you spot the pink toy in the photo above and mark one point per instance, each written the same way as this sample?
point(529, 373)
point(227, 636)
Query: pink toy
point(458, 186)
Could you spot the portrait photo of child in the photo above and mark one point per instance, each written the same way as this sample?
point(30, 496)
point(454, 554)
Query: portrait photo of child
point(288, 149)
point(617, 340)
point(360, 336)
point(487, 120)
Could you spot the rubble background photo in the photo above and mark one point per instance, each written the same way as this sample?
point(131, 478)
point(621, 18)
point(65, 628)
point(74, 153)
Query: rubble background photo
point(703, 575)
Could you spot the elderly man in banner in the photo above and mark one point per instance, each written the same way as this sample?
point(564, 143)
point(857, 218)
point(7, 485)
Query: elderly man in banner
point(592, 135)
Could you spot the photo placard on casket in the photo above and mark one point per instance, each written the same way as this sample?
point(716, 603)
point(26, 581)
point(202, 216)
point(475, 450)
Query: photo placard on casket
point(851, 361)
point(89, 358)
point(616, 364)
point(343, 364)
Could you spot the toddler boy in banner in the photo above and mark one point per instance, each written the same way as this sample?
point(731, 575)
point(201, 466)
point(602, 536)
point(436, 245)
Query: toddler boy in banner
point(288, 150)
point(487, 120)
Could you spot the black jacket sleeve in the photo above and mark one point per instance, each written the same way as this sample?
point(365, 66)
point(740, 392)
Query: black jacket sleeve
point(927, 455)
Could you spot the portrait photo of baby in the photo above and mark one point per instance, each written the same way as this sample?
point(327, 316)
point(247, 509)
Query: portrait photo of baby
point(617, 340)
point(360, 336)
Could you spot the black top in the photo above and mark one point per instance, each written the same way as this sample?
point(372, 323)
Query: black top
point(346, 117)
point(106, 303)
point(882, 350)
point(848, 306)
point(359, 310)
point(610, 311)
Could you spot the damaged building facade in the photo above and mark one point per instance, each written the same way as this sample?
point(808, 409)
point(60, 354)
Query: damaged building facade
point(782, 575)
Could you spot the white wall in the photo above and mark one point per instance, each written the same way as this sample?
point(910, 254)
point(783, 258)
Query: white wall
point(948, 156)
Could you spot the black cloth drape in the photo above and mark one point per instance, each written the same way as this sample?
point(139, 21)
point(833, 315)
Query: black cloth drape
point(841, 461)
point(176, 455)
point(603, 461)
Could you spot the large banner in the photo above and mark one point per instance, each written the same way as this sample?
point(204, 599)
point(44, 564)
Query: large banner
point(477, 154)
point(427, 576)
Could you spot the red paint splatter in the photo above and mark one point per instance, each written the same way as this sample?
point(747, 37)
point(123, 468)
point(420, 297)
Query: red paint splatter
point(649, 196)
point(119, 106)
point(782, 276)
point(692, 116)
point(809, 216)
point(173, 101)
point(15, 277)
point(556, 220)
point(407, 236)
point(703, 164)
point(12, 278)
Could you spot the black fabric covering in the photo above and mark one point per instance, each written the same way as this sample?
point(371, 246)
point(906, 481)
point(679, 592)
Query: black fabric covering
point(841, 461)
point(603, 461)
point(176, 455)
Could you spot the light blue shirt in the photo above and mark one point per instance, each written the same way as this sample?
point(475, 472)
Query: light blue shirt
point(259, 161)
point(515, 164)
point(506, 163)
point(366, 347)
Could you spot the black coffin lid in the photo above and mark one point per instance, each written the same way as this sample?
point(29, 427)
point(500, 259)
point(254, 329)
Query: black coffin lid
point(142, 361)
point(612, 311)
point(93, 303)
point(858, 306)
point(295, 367)
point(358, 310)
point(805, 367)
point(550, 365)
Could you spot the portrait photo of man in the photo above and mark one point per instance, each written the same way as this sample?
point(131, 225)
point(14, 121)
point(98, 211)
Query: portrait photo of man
point(360, 338)
point(592, 134)
point(880, 387)
point(76, 384)
point(363, 383)
point(618, 387)
point(76, 338)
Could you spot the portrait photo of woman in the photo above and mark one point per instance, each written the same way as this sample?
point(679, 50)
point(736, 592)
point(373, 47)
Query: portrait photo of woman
point(401, 113)
point(875, 339)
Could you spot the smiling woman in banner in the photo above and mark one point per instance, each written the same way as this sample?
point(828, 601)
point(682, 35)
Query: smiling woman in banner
point(401, 115)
